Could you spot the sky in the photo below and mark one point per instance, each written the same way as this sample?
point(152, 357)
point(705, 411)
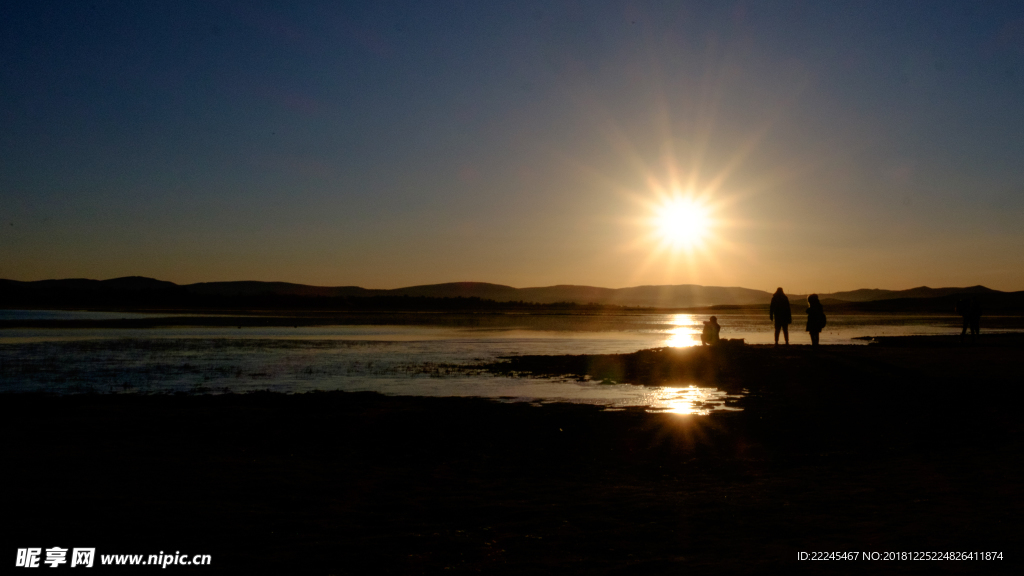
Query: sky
point(829, 145)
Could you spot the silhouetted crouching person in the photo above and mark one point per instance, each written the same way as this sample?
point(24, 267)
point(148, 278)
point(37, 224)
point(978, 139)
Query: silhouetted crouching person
point(970, 310)
point(815, 318)
point(780, 312)
point(709, 336)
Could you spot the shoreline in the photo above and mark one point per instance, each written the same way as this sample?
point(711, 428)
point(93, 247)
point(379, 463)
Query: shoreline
point(870, 448)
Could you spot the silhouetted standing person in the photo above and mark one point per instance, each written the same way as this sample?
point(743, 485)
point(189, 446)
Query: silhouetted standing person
point(970, 309)
point(815, 318)
point(709, 336)
point(780, 312)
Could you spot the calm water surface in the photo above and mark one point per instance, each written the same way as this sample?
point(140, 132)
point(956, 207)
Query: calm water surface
point(418, 360)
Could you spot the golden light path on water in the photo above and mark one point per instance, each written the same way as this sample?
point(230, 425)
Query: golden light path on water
point(696, 400)
point(685, 331)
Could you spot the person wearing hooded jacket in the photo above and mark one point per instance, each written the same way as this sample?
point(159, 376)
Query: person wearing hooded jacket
point(815, 318)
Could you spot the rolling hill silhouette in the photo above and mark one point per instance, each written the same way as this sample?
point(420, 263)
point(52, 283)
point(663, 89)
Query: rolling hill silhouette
point(871, 294)
point(135, 291)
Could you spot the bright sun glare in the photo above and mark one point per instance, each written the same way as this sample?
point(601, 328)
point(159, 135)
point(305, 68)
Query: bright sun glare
point(682, 222)
point(682, 226)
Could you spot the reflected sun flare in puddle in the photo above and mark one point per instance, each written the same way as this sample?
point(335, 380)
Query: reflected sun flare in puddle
point(692, 400)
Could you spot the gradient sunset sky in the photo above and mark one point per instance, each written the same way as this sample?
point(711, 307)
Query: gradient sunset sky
point(834, 145)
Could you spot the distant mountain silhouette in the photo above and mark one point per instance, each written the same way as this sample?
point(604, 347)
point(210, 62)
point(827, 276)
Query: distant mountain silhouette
point(495, 292)
point(254, 288)
point(992, 302)
point(126, 284)
point(870, 294)
point(82, 286)
point(681, 296)
point(147, 292)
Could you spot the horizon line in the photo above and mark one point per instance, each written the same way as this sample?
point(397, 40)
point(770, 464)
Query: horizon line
point(769, 291)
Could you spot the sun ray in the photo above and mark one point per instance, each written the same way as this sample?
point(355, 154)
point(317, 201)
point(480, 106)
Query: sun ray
point(689, 176)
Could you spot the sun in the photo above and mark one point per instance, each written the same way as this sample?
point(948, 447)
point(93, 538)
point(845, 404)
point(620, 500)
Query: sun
point(682, 222)
point(683, 229)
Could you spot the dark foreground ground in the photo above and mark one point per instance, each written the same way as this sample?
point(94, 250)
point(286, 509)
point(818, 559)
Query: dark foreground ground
point(905, 446)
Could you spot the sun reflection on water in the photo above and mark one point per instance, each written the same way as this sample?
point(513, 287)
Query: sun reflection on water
point(685, 331)
point(692, 400)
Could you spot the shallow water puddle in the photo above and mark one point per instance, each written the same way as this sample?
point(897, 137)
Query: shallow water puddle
point(683, 400)
point(693, 400)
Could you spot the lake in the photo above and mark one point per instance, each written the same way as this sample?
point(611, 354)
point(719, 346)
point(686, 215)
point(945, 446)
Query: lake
point(422, 358)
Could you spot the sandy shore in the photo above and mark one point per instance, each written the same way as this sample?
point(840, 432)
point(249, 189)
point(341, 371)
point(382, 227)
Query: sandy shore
point(905, 446)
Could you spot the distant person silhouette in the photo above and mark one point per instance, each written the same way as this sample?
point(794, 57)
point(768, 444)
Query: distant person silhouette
point(709, 336)
point(780, 312)
point(815, 318)
point(970, 309)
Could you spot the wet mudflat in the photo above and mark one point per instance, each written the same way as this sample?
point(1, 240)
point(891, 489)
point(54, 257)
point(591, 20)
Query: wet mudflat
point(899, 446)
